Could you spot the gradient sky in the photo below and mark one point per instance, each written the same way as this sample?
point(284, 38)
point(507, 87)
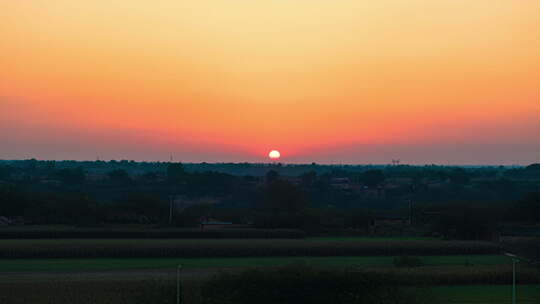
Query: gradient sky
point(426, 81)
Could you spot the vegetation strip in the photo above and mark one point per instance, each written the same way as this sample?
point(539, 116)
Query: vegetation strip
point(162, 263)
point(135, 248)
point(163, 291)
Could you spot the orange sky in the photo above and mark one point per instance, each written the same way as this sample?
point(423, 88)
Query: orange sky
point(428, 81)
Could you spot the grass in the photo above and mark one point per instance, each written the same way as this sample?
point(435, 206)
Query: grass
point(102, 264)
point(101, 292)
point(187, 248)
point(487, 294)
point(365, 238)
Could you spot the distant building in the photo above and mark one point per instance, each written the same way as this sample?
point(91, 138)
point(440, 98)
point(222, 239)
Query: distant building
point(4, 221)
point(340, 182)
point(207, 223)
point(389, 218)
point(215, 225)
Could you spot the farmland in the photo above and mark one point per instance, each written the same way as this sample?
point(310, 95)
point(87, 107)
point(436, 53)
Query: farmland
point(135, 270)
point(291, 240)
point(486, 294)
point(190, 263)
point(204, 248)
point(162, 291)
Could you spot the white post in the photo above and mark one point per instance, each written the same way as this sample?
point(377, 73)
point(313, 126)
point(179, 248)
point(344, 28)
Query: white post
point(178, 295)
point(515, 259)
point(171, 200)
point(513, 281)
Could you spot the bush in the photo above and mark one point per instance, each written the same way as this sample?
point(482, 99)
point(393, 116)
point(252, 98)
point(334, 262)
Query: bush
point(118, 248)
point(299, 284)
point(408, 261)
point(227, 233)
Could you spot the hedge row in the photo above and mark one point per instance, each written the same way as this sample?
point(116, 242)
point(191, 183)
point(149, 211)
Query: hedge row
point(292, 284)
point(286, 286)
point(153, 234)
point(66, 248)
point(302, 284)
point(458, 275)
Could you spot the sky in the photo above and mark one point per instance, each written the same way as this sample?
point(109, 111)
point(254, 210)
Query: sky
point(341, 81)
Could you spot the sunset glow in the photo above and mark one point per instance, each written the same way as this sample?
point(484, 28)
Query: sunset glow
point(274, 154)
point(444, 81)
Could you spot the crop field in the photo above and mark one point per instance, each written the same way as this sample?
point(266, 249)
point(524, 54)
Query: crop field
point(143, 270)
point(487, 294)
point(63, 232)
point(143, 292)
point(189, 263)
point(370, 238)
point(438, 270)
point(142, 248)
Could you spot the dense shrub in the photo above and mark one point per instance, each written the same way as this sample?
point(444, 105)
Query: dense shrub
point(89, 292)
point(459, 275)
point(153, 234)
point(67, 248)
point(526, 247)
point(408, 261)
point(301, 284)
point(295, 285)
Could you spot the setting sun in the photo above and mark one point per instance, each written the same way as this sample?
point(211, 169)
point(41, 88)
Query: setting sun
point(274, 154)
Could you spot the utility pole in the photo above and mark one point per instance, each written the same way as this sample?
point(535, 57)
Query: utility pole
point(178, 290)
point(514, 281)
point(410, 212)
point(515, 260)
point(171, 202)
point(413, 190)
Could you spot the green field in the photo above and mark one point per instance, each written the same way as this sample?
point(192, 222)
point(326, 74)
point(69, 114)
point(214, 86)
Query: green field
point(221, 248)
point(380, 239)
point(164, 292)
point(487, 294)
point(128, 270)
point(160, 263)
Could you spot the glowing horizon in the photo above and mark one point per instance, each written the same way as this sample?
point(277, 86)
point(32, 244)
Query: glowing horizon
point(445, 81)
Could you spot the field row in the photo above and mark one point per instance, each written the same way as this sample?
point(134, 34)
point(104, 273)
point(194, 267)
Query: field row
point(141, 248)
point(187, 233)
point(486, 294)
point(164, 292)
point(108, 264)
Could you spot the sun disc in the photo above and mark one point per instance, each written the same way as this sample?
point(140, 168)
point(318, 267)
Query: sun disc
point(274, 154)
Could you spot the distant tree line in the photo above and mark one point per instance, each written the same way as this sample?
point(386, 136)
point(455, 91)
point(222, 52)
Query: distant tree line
point(456, 202)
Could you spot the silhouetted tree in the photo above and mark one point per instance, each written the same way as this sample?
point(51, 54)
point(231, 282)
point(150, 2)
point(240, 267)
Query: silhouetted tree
point(175, 173)
point(271, 176)
point(119, 176)
point(147, 205)
point(459, 176)
point(466, 221)
point(357, 219)
point(192, 215)
point(284, 196)
point(308, 178)
point(533, 167)
point(31, 164)
point(527, 208)
point(5, 172)
point(372, 178)
point(70, 176)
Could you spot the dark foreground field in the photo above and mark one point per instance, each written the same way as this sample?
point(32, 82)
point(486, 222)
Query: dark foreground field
point(145, 248)
point(144, 271)
point(164, 291)
point(118, 264)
